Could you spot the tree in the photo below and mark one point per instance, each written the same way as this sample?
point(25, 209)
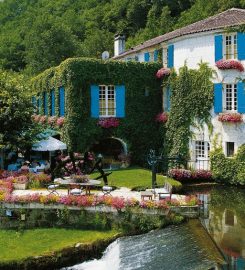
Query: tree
point(17, 131)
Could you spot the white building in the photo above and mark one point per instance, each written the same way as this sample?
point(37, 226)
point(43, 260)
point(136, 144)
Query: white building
point(208, 41)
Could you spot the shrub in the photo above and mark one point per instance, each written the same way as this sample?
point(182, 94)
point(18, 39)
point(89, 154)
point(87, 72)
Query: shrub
point(228, 170)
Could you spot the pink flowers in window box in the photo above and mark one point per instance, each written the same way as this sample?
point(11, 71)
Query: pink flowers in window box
point(230, 117)
point(60, 122)
point(162, 72)
point(230, 64)
point(162, 117)
point(52, 120)
point(108, 122)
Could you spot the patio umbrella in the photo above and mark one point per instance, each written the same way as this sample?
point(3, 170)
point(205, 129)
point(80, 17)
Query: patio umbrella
point(50, 144)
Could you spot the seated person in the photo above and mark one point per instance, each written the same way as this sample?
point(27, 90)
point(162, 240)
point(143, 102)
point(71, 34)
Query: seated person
point(25, 166)
point(40, 167)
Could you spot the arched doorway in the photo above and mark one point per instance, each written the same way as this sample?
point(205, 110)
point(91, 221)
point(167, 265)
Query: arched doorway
point(112, 150)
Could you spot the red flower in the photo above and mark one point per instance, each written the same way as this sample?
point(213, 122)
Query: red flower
point(162, 117)
point(230, 117)
point(108, 122)
point(229, 64)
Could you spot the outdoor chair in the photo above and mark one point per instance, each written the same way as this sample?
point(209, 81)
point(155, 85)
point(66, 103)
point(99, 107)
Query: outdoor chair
point(52, 188)
point(107, 190)
point(76, 191)
point(165, 192)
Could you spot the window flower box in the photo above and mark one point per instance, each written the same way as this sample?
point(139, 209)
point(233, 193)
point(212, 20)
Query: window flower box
point(162, 117)
point(230, 117)
point(108, 122)
point(229, 64)
point(162, 72)
point(60, 122)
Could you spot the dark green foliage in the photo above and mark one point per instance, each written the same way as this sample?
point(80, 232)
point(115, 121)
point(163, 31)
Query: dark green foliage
point(139, 130)
point(38, 34)
point(191, 102)
point(17, 130)
point(228, 170)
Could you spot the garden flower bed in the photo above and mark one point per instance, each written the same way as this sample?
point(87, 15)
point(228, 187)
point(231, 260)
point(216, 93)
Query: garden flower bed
point(185, 175)
point(100, 203)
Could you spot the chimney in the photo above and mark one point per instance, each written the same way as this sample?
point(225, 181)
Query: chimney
point(119, 44)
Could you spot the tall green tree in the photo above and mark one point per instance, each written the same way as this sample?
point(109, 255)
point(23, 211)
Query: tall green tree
point(17, 131)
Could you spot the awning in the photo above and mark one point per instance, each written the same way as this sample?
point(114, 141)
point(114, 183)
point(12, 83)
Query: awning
point(50, 144)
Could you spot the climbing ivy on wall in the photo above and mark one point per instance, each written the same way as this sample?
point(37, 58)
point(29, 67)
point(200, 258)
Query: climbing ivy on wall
point(191, 101)
point(143, 102)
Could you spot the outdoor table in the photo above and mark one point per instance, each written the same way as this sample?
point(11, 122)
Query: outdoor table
point(70, 182)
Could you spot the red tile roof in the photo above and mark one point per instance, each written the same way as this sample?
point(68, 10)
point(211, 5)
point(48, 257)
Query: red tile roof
point(228, 18)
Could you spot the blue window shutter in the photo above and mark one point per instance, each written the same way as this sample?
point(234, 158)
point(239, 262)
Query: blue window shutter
point(170, 56)
point(62, 101)
point(147, 57)
point(155, 55)
point(241, 46)
point(218, 97)
point(34, 101)
point(168, 98)
point(120, 101)
point(52, 98)
point(38, 105)
point(45, 103)
point(95, 102)
point(240, 97)
point(218, 47)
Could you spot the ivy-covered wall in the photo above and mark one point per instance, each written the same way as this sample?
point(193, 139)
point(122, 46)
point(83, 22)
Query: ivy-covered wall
point(143, 102)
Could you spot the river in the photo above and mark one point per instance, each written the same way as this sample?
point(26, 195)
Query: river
point(185, 247)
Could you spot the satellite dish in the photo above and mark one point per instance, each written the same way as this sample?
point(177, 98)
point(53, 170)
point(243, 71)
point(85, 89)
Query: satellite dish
point(105, 55)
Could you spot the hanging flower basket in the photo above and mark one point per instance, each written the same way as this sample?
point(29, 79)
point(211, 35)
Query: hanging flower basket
point(108, 122)
point(162, 72)
point(230, 64)
point(162, 117)
point(230, 117)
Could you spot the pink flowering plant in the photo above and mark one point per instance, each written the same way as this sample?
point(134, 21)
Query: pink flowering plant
point(162, 72)
point(185, 175)
point(162, 117)
point(43, 119)
point(60, 122)
point(230, 117)
point(229, 64)
point(52, 120)
point(110, 122)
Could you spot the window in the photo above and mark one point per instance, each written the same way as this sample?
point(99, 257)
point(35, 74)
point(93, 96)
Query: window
point(107, 100)
point(230, 149)
point(230, 46)
point(230, 97)
point(202, 149)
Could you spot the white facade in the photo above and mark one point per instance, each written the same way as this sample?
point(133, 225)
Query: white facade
point(192, 49)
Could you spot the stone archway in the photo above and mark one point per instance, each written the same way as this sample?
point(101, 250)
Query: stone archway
point(111, 149)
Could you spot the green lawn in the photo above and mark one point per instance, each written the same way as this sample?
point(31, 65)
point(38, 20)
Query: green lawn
point(134, 177)
point(15, 245)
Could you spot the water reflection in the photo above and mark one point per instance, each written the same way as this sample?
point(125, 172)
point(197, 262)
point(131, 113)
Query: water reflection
point(224, 218)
